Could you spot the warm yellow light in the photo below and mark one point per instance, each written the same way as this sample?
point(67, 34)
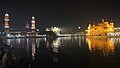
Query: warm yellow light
point(33, 25)
point(6, 24)
point(103, 46)
point(102, 29)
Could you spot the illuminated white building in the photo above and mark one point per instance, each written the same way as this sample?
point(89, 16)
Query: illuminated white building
point(56, 30)
point(115, 33)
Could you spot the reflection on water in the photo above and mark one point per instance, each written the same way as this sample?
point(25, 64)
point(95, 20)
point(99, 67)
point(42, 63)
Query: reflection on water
point(33, 48)
point(103, 46)
point(67, 51)
point(104, 52)
point(54, 44)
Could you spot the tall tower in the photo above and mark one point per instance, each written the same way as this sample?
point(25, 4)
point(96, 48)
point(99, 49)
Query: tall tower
point(33, 24)
point(6, 23)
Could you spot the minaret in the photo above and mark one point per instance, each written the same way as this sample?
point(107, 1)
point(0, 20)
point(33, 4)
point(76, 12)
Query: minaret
point(6, 23)
point(33, 24)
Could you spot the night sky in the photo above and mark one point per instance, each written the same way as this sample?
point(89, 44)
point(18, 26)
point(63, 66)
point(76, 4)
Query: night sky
point(64, 14)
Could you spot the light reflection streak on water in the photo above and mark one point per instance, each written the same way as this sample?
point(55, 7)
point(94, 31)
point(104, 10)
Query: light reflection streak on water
point(55, 48)
point(28, 45)
point(32, 45)
point(55, 45)
point(18, 41)
point(103, 46)
point(116, 40)
point(8, 42)
point(62, 48)
point(14, 41)
point(33, 48)
point(37, 42)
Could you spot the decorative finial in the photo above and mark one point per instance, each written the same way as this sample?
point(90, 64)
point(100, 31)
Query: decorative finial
point(6, 14)
point(33, 17)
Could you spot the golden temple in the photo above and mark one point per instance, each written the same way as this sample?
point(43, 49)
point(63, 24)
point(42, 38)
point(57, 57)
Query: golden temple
point(102, 29)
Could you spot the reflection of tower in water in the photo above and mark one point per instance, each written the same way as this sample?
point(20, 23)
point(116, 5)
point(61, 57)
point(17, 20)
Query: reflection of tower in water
point(33, 49)
point(102, 46)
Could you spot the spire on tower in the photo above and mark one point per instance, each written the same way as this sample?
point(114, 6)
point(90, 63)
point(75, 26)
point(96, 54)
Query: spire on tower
point(27, 25)
point(33, 17)
point(6, 14)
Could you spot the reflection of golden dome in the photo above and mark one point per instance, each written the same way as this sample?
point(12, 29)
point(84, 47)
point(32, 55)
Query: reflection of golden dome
point(104, 46)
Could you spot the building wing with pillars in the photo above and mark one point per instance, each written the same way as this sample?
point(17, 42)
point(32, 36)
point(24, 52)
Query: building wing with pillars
point(102, 29)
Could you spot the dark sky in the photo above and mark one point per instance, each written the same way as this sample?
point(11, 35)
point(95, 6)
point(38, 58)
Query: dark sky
point(64, 14)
